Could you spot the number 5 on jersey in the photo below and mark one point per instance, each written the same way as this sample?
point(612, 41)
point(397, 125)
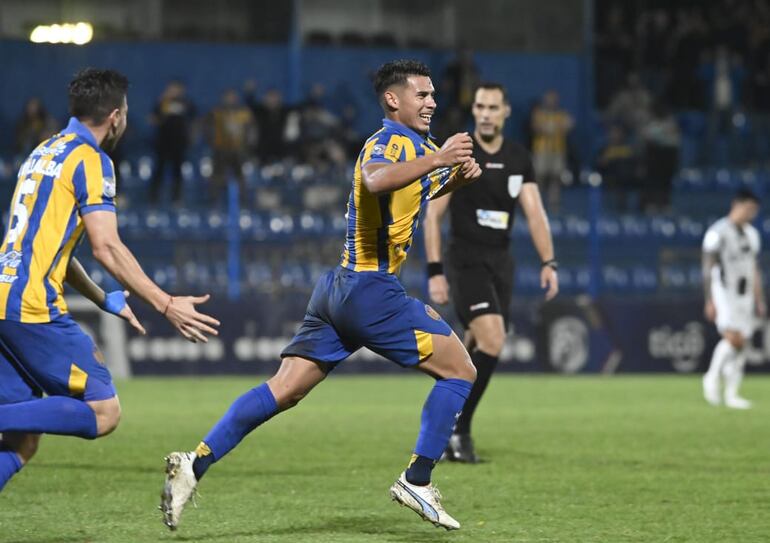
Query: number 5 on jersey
point(20, 211)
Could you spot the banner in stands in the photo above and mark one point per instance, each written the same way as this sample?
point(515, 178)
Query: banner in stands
point(566, 336)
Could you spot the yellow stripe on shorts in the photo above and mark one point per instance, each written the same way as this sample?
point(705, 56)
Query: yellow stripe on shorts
point(424, 344)
point(77, 382)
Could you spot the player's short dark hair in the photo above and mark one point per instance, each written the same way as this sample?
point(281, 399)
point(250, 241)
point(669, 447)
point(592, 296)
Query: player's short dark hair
point(95, 93)
point(396, 72)
point(488, 85)
point(745, 195)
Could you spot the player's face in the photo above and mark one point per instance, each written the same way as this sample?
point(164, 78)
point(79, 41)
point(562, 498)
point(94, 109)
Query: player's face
point(118, 122)
point(747, 211)
point(415, 103)
point(490, 112)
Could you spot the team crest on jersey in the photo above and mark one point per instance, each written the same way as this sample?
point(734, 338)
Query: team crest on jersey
point(109, 187)
point(432, 313)
point(514, 185)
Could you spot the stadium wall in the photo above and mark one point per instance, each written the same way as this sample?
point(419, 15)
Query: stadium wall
point(572, 335)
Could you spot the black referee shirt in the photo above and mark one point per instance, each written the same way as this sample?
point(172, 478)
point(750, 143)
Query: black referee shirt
point(482, 213)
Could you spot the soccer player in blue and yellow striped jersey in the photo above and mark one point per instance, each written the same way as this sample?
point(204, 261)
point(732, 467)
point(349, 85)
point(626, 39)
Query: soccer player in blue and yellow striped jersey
point(66, 188)
point(361, 303)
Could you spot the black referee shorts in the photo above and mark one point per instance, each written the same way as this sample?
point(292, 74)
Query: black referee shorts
point(480, 282)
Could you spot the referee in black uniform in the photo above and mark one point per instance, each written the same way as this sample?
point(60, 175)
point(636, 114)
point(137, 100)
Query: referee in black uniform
point(479, 261)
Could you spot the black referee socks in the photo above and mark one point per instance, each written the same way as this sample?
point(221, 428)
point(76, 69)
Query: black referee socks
point(485, 366)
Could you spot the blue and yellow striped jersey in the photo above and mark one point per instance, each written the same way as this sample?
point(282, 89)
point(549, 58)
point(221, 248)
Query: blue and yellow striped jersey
point(66, 177)
point(381, 228)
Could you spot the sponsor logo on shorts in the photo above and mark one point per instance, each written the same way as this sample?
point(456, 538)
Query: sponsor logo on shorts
point(432, 313)
point(481, 305)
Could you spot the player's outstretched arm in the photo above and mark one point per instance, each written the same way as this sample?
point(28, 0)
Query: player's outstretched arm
point(540, 230)
point(383, 178)
point(112, 302)
point(110, 252)
point(438, 287)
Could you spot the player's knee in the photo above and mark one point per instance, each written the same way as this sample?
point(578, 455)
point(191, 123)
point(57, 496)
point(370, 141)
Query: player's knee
point(107, 417)
point(491, 344)
point(465, 370)
point(286, 395)
point(290, 399)
point(25, 445)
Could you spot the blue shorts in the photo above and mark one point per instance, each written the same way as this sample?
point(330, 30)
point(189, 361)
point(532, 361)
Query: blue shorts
point(56, 358)
point(350, 310)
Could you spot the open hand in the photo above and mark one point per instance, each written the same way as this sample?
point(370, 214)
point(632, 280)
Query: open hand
point(115, 303)
point(193, 325)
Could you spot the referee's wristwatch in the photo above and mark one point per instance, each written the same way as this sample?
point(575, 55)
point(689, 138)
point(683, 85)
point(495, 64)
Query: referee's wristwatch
point(551, 263)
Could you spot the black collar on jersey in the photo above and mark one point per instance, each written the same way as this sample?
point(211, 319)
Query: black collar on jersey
point(79, 129)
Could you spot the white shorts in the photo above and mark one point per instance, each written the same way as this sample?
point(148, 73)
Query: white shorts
point(735, 313)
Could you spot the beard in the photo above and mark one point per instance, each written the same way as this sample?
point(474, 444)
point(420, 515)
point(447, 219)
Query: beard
point(111, 140)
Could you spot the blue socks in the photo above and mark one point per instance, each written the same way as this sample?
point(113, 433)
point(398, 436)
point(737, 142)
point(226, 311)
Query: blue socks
point(9, 465)
point(53, 415)
point(244, 415)
point(441, 409)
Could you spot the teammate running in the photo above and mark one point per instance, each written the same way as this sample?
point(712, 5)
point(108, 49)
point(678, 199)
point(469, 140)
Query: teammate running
point(66, 186)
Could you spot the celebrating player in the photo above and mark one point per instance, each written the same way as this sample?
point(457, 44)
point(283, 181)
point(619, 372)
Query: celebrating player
point(480, 267)
point(66, 186)
point(361, 302)
point(732, 286)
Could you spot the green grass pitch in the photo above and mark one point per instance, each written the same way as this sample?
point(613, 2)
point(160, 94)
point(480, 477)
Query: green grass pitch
point(586, 459)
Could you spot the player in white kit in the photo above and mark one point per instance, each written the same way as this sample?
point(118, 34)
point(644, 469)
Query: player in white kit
point(733, 290)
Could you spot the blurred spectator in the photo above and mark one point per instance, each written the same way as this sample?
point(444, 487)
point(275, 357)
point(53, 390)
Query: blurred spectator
point(550, 127)
point(173, 116)
point(318, 130)
point(271, 117)
point(614, 55)
point(618, 165)
point(653, 33)
point(458, 85)
point(723, 78)
point(761, 117)
point(690, 38)
point(34, 126)
point(631, 107)
point(347, 133)
point(661, 158)
point(231, 133)
point(461, 77)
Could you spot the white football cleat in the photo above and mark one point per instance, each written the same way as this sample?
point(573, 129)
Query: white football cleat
point(423, 500)
point(179, 487)
point(736, 402)
point(711, 390)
